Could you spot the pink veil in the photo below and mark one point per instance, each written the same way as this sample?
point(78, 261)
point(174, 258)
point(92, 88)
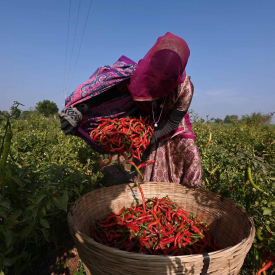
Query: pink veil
point(161, 70)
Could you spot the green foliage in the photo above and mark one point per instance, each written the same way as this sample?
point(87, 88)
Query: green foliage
point(80, 271)
point(218, 120)
point(225, 162)
point(3, 115)
point(26, 114)
point(257, 118)
point(46, 107)
point(44, 172)
point(231, 119)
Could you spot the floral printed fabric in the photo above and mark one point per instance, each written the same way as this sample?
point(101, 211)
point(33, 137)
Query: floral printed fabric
point(180, 98)
point(176, 160)
point(101, 80)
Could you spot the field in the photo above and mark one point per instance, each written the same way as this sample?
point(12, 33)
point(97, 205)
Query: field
point(45, 172)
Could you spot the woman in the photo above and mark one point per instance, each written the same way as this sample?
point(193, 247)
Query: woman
point(160, 87)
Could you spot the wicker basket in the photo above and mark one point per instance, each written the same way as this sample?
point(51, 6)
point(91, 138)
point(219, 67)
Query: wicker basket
point(231, 225)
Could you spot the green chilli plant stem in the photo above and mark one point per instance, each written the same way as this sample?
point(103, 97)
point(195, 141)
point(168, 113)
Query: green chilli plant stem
point(6, 127)
point(6, 148)
point(6, 142)
point(14, 114)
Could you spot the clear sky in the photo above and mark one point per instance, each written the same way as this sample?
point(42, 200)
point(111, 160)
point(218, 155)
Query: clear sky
point(232, 44)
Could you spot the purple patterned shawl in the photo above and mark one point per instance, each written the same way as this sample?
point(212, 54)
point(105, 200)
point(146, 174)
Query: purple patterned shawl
point(102, 80)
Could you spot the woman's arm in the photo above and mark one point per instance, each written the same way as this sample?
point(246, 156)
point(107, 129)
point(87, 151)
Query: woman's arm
point(185, 94)
point(70, 117)
point(173, 122)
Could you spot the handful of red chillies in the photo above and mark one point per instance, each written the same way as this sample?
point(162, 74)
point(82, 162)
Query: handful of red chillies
point(121, 135)
point(156, 227)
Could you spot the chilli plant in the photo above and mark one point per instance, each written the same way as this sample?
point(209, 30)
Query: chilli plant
point(41, 174)
point(238, 163)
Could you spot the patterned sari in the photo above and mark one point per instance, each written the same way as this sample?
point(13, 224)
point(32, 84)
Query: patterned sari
point(177, 157)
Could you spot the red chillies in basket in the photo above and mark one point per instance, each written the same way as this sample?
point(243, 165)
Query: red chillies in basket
point(156, 227)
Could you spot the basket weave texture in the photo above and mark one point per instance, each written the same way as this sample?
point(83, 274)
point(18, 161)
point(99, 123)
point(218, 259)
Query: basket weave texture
point(229, 223)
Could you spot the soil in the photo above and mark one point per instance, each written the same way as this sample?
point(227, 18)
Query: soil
point(63, 261)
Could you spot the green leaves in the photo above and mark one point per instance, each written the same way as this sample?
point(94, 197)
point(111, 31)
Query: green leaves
point(2, 213)
point(15, 215)
point(24, 233)
point(44, 175)
point(232, 149)
point(46, 107)
point(45, 234)
point(267, 211)
point(44, 223)
point(75, 189)
point(5, 202)
point(40, 198)
point(64, 201)
point(6, 262)
point(31, 207)
point(34, 213)
point(18, 181)
point(57, 202)
point(9, 237)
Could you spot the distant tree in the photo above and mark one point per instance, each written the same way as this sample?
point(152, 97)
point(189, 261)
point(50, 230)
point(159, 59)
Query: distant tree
point(16, 112)
point(231, 119)
point(46, 107)
point(257, 118)
point(218, 120)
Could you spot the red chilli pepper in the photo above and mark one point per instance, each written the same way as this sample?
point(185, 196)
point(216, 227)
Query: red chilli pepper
point(105, 164)
point(267, 266)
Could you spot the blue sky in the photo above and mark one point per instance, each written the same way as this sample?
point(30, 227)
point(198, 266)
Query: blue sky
point(232, 44)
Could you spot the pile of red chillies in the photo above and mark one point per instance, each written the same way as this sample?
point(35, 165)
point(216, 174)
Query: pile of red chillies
point(156, 227)
point(121, 135)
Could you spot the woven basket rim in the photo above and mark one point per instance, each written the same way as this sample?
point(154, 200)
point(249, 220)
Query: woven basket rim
point(161, 257)
point(158, 257)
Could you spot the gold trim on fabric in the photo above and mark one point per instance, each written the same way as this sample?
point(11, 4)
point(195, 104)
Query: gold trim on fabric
point(144, 99)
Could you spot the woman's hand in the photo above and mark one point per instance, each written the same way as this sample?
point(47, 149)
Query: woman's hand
point(71, 117)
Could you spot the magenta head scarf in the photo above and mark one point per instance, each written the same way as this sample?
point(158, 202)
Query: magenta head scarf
point(161, 70)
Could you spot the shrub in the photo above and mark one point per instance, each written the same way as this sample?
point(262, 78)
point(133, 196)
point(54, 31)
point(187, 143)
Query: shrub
point(44, 173)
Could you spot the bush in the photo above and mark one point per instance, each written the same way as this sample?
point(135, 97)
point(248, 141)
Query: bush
point(225, 161)
point(257, 118)
point(44, 172)
point(218, 120)
point(231, 119)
